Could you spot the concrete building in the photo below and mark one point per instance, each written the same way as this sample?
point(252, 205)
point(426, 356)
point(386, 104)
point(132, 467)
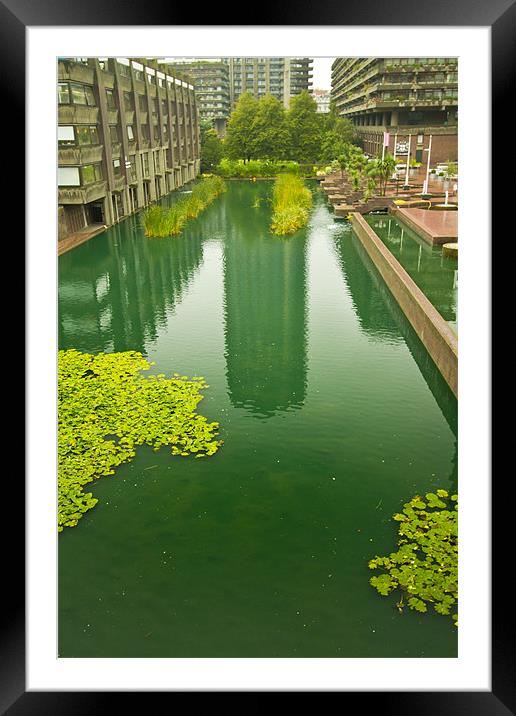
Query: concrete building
point(128, 134)
point(211, 81)
point(282, 77)
point(322, 98)
point(416, 96)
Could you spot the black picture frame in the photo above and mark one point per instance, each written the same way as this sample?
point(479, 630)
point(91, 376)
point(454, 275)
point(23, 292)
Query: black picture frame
point(15, 16)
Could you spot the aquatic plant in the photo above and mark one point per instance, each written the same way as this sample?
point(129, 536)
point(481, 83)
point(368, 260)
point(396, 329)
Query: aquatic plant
point(106, 408)
point(425, 567)
point(159, 221)
point(291, 202)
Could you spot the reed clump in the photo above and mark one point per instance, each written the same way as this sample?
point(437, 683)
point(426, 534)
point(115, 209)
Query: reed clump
point(291, 203)
point(159, 221)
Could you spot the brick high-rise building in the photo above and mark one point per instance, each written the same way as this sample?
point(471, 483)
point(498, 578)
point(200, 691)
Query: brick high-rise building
point(128, 134)
point(403, 96)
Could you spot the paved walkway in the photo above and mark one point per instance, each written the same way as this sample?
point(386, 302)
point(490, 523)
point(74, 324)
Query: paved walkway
point(79, 237)
point(436, 227)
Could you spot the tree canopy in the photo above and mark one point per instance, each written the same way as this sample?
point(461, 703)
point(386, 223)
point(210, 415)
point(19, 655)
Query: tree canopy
point(263, 129)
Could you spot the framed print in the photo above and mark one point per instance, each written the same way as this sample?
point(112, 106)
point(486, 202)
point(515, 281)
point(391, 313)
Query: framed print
point(315, 377)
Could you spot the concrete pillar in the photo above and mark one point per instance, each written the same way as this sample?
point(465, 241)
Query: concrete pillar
point(394, 118)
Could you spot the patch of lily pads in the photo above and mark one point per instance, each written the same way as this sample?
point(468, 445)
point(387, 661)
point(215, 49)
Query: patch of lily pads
point(106, 408)
point(424, 569)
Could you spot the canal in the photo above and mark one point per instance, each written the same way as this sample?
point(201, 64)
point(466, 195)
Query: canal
point(332, 416)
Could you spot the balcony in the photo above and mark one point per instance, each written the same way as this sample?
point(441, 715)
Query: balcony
point(112, 116)
point(129, 116)
point(75, 156)
point(125, 83)
point(115, 149)
point(119, 183)
point(75, 71)
point(109, 79)
point(82, 194)
point(77, 114)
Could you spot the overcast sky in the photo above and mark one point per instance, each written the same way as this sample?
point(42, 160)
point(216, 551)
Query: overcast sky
point(322, 72)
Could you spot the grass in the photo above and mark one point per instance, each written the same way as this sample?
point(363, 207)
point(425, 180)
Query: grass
point(159, 221)
point(291, 203)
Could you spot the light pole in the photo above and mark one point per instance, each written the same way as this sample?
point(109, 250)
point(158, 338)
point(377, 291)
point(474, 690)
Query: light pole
point(408, 163)
point(429, 150)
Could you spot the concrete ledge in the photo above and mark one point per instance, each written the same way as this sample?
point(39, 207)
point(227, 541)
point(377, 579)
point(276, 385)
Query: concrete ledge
point(432, 226)
point(433, 331)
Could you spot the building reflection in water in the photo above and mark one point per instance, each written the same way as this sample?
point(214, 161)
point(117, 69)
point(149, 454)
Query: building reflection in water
point(265, 307)
point(116, 290)
point(375, 306)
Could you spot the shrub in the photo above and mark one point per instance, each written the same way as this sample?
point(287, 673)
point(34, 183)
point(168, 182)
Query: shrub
point(159, 221)
point(291, 202)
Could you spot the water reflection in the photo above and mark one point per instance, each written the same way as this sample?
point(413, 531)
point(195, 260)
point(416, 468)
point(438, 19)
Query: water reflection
point(349, 246)
point(117, 290)
point(265, 307)
point(434, 274)
point(374, 319)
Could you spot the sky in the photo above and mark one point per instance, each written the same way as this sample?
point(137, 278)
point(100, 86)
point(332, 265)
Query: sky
point(322, 72)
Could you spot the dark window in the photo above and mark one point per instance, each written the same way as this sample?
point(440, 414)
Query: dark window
point(113, 133)
point(142, 100)
point(86, 135)
point(116, 168)
point(128, 100)
point(110, 96)
point(91, 173)
point(82, 94)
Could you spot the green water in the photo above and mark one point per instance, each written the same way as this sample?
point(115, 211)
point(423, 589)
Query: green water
point(332, 415)
point(435, 274)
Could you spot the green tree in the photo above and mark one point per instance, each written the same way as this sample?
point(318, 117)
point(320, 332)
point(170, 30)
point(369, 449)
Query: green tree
point(240, 141)
point(338, 132)
point(271, 136)
point(211, 148)
point(381, 170)
point(306, 129)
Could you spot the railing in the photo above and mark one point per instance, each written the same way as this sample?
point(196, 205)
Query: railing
point(109, 79)
point(68, 70)
point(77, 114)
point(81, 194)
point(74, 156)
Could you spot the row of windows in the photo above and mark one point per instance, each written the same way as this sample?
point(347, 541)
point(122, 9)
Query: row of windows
point(79, 176)
point(420, 61)
point(77, 135)
point(75, 93)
